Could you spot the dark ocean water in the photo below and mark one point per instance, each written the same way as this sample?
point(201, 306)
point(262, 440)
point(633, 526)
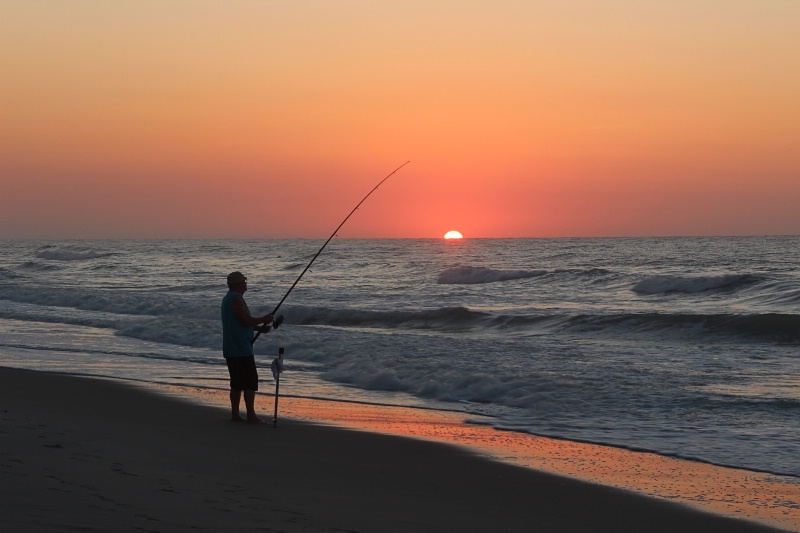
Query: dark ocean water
point(683, 346)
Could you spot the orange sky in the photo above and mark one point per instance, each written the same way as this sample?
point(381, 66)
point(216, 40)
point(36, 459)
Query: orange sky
point(201, 119)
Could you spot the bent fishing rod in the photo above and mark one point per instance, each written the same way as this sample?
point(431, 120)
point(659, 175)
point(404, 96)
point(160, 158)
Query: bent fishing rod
point(277, 321)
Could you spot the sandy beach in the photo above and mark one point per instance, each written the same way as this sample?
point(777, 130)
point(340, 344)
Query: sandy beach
point(96, 455)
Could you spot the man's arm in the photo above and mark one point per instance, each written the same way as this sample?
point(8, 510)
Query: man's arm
point(243, 314)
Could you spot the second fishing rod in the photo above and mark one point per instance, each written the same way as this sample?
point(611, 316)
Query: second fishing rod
point(278, 320)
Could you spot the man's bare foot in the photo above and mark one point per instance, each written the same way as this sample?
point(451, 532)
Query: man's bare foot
point(254, 420)
point(237, 418)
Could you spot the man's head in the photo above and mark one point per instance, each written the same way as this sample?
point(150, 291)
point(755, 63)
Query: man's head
point(237, 280)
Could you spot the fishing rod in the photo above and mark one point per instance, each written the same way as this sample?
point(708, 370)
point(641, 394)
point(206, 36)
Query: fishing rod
point(277, 321)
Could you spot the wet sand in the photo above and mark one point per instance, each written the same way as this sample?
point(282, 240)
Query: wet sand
point(756, 496)
point(89, 454)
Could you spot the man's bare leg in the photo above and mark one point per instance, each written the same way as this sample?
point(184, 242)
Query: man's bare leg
point(250, 403)
point(235, 396)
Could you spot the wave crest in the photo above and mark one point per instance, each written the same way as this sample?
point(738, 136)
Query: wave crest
point(464, 275)
point(71, 254)
point(693, 284)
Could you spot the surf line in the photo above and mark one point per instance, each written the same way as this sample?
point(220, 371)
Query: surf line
point(277, 322)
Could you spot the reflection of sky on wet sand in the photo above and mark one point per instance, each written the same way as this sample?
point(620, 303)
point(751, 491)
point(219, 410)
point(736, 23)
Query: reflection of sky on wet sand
point(766, 498)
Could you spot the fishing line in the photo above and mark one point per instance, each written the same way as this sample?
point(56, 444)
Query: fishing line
point(277, 321)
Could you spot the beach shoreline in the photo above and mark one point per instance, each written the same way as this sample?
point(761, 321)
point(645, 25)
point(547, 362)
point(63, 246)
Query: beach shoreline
point(105, 455)
point(764, 497)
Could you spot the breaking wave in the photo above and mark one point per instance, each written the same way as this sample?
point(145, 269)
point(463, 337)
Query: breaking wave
point(70, 254)
point(474, 275)
point(770, 327)
point(124, 307)
point(441, 319)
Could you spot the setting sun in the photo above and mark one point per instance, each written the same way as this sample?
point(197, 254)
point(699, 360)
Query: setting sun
point(453, 235)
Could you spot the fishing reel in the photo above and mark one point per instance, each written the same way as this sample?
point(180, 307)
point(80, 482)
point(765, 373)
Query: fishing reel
point(266, 327)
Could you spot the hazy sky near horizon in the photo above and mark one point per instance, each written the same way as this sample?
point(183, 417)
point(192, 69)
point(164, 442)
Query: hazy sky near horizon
point(210, 119)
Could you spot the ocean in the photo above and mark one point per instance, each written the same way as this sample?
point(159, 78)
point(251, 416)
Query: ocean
point(686, 347)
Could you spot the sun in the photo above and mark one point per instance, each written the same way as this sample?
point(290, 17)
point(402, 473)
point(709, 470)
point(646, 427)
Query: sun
point(453, 235)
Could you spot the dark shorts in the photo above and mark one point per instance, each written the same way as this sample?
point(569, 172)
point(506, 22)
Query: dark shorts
point(244, 375)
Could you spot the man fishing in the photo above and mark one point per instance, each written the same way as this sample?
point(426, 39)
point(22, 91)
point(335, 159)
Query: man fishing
point(237, 346)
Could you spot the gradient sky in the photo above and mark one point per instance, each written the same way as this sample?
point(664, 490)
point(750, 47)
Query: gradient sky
point(200, 119)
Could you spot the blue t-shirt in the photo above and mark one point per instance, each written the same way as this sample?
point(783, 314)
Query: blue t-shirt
point(236, 337)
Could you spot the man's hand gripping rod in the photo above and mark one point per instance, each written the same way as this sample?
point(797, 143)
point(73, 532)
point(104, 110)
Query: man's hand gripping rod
point(277, 321)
